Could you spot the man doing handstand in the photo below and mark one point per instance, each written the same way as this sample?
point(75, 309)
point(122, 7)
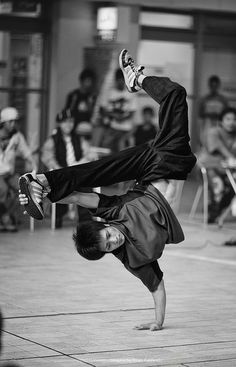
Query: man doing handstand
point(137, 225)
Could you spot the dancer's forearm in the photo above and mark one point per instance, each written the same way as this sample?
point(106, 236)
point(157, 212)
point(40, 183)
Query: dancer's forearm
point(159, 297)
point(86, 200)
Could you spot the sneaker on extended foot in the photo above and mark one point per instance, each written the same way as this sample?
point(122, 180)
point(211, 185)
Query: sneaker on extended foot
point(130, 71)
point(34, 191)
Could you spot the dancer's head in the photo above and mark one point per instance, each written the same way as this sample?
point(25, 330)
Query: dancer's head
point(94, 239)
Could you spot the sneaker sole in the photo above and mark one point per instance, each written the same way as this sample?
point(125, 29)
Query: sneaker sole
point(124, 72)
point(32, 208)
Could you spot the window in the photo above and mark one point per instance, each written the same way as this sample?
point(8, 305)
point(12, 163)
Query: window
point(166, 20)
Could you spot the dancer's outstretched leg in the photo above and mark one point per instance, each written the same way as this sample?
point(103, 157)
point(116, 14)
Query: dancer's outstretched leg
point(169, 156)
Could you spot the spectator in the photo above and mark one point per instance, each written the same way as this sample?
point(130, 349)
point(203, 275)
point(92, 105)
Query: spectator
point(116, 114)
point(81, 100)
point(220, 146)
point(211, 107)
point(146, 130)
point(65, 148)
point(12, 144)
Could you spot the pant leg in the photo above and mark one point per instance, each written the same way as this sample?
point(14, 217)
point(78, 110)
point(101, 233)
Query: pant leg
point(169, 156)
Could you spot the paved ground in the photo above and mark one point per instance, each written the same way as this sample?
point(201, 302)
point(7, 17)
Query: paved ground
point(61, 310)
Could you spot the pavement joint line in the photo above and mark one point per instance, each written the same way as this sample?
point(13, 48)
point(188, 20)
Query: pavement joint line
point(42, 345)
point(205, 360)
point(149, 348)
point(27, 358)
point(44, 357)
point(118, 350)
point(78, 313)
point(203, 258)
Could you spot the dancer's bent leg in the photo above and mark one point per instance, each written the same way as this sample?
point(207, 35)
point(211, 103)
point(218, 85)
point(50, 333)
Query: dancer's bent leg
point(169, 156)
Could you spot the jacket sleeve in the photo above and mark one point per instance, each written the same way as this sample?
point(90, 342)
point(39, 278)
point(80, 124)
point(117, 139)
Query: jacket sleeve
point(149, 274)
point(108, 207)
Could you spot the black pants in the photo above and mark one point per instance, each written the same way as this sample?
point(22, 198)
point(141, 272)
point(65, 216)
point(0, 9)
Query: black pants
point(168, 156)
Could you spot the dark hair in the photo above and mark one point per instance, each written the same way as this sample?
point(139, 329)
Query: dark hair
point(227, 110)
point(148, 109)
point(214, 79)
point(87, 74)
point(119, 74)
point(87, 239)
point(64, 115)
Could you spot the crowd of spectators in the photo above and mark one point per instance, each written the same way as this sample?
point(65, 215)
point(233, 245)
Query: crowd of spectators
point(70, 142)
point(218, 148)
point(116, 128)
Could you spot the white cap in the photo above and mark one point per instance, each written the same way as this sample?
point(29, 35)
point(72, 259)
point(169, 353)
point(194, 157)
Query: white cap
point(9, 114)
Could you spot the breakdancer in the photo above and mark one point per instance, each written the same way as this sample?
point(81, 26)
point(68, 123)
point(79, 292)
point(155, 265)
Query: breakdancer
point(137, 225)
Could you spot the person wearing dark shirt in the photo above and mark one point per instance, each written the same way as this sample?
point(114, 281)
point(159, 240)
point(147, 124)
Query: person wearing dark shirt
point(137, 225)
point(146, 130)
point(62, 149)
point(81, 100)
point(220, 149)
point(211, 107)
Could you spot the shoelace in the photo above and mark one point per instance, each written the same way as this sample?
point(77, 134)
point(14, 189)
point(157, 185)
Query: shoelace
point(136, 69)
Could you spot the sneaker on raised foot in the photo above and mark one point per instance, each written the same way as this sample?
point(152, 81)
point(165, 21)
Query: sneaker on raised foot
point(130, 71)
point(34, 191)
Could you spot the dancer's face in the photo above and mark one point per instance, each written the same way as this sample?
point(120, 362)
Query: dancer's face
point(111, 239)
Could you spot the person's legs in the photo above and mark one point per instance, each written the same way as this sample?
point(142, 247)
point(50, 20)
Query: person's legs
point(168, 156)
point(147, 162)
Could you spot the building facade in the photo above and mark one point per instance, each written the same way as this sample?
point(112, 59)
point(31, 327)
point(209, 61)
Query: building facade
point(44, 45)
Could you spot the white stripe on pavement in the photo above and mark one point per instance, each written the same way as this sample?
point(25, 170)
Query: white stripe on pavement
point(203, 258)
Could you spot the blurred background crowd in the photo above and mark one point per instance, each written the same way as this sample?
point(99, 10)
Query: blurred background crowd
point(63, 99)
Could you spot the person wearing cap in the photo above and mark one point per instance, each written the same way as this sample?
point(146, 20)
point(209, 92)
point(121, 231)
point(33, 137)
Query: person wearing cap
point(12, 145)
point(63, 148)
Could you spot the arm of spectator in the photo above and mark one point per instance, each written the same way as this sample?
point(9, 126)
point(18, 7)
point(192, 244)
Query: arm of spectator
point(48, 155)
point(24, 151)
point(87, 154)
point(216, 145)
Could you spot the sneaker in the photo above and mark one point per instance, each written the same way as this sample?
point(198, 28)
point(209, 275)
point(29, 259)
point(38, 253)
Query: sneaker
point(130, 71)
point(34, 191)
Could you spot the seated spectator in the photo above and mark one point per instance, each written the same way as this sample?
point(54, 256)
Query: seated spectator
point(81, 100)
point(146, 130)
point(220, 147)
point(116, 115)
point(66, 148)
point(211, 106)
point(12, 144)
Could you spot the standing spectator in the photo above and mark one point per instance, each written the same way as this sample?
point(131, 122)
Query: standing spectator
point(65, 148)
point(220, 146)
point(146, 130)
point(211, 107)
point(12, 144)
point(81, 100)
point(116, 114)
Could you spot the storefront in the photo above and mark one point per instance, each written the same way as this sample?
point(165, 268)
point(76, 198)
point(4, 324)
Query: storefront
point(44, 45)
point(24, 54)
